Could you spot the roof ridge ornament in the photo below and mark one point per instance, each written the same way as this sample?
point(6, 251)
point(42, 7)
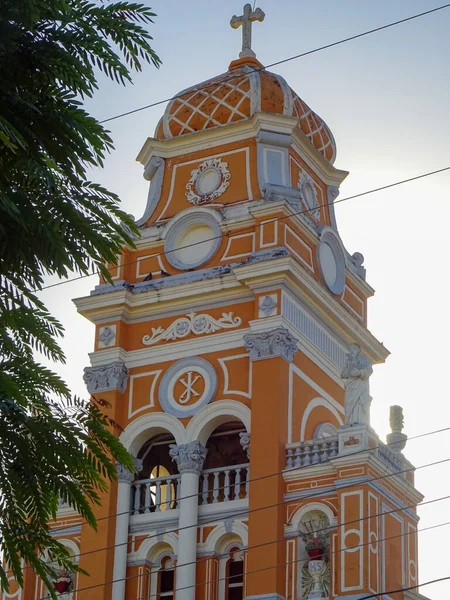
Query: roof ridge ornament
point(246, 20)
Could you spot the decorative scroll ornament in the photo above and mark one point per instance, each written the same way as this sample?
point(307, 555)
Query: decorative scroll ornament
point(125, 475)
point(244, 438)
point(208, 181)
point(191, 323)
point(276, 342)
point(189, 457)
point(308, 196)
point(106, 377)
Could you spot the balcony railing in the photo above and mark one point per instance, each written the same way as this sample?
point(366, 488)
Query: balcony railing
point(311, 452)
point(155, 495)
point(224, 484)
point(216, 485)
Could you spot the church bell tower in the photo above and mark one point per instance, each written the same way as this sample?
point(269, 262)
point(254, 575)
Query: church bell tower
point(233, 348)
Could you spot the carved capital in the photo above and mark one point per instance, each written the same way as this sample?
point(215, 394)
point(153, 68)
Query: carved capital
point(244, 438)
point(106, 377)
point(276, 342)
point(189, 457)
point(125, 475)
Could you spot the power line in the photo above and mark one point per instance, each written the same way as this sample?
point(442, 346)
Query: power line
point(96, 585)
point(285, 60)
point(262, 477)
point(257, 225)
point(406, 589)
point(319, 493)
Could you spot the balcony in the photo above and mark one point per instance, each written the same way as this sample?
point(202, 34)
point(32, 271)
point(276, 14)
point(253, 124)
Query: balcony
point(223, 483)
point(322, 450)
point(159, 494)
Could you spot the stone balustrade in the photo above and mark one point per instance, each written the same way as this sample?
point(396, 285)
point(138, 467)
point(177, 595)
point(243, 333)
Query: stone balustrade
point(311, 452)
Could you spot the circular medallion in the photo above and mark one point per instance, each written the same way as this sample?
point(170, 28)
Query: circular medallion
point(187, 386)
point(193, 239)
point(331, 260)
point(208, 181)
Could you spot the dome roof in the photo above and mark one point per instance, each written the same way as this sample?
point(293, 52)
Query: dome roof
point(237, 95)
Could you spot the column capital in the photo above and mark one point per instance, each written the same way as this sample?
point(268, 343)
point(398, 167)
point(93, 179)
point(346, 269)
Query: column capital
point(268, 344)
point(125, 475)
point(244, 438)
point(102, 378)
point(189, 457)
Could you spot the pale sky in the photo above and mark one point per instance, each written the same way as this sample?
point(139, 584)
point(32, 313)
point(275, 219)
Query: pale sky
point(386, 99)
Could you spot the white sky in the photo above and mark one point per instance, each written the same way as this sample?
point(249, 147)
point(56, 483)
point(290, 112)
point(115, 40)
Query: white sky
point(386, 99)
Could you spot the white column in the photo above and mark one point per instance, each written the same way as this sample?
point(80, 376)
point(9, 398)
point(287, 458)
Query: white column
point(124, 480)
point(189, 458)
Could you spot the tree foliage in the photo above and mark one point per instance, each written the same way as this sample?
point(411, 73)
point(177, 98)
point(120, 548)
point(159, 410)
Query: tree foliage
point(53, 220)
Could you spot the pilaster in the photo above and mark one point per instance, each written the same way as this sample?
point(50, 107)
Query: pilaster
point(271, 353)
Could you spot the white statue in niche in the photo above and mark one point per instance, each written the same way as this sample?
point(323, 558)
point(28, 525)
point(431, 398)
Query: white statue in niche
point(356, 375)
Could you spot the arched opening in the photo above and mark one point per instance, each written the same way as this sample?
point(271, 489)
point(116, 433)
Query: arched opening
point(156, 486)
point(314, 554)
point(225, 475)
point(166, 579)
point(234, 583)
point(64, 582)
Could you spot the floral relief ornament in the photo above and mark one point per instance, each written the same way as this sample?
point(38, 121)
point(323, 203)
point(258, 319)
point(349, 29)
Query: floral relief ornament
point(208, 181)
point(191, 323)
point(308, 196)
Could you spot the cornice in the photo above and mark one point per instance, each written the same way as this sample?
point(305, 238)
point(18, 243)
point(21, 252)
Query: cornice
point(235, 132)
point(288, 272)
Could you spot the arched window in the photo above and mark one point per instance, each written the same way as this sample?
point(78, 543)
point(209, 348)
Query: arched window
point(234, 589)
point(166, 579)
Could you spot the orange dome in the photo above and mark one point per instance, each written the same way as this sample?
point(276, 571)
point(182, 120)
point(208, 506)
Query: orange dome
point(237, 95)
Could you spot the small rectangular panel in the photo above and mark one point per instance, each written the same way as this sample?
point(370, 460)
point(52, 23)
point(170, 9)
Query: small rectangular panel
point(353, 302)
point(352, 537)
point(274, 166)
point(373, 538)
point(148, 264)
point(268, 233)
point(237, 373)
point(142, 392)
point(298, 247)
point(239, 246)
point(291, 569)
point(412, 555)
point(393, 557)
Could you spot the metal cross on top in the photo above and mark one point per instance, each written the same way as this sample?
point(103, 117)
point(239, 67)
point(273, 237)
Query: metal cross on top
point(246, 21)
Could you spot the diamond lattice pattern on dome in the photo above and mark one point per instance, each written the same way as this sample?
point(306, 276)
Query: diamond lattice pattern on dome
point(314, 128)
point(224, 101)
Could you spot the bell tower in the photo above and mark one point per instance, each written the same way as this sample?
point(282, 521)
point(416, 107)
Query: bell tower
point(234, 350)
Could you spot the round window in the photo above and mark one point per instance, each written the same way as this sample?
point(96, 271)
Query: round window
point(331, 260)
point(192, 240)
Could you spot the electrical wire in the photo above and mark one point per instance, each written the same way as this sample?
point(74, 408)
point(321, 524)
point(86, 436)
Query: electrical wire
point(405, 589)
point(290, 58)
point(256, 226)
point(263, 477)
point(319, 493)
point(128, 578)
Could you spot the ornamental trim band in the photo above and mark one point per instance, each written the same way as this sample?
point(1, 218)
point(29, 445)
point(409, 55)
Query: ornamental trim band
point(191, 323)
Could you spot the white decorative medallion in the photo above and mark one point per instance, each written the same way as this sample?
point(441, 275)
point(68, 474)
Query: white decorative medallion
point(208, 181)
point(107, 336)
point(308, 196)
point(192, 323)
point(268, 306)
point(187, 386)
